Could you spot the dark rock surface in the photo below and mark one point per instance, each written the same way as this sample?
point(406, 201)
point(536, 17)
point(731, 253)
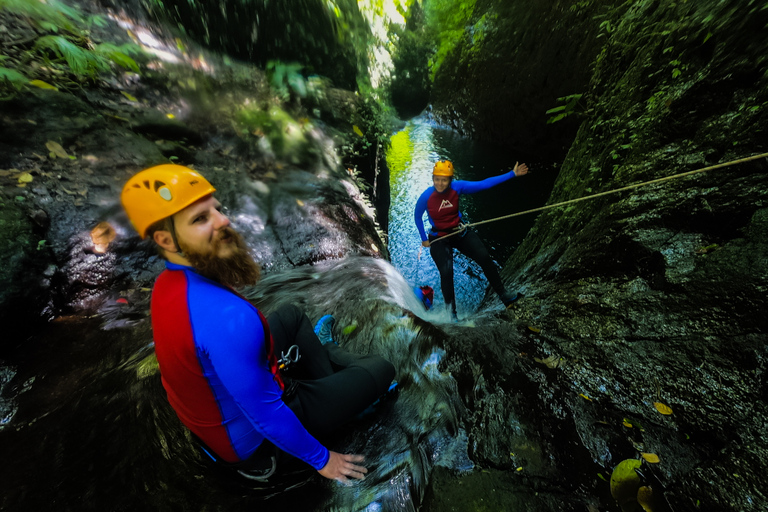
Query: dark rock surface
point(654, 295)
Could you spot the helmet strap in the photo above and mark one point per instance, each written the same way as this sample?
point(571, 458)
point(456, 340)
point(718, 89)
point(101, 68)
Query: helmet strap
point(172, 229)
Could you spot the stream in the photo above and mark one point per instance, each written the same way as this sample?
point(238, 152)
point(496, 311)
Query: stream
point(410, 159)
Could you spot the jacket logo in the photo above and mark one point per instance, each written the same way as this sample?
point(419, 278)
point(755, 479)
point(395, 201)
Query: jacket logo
point(445, 204)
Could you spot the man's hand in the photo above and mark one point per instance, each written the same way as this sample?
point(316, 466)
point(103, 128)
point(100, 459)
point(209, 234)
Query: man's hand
point(425, 243)
point(519, 170)
point(342, 467)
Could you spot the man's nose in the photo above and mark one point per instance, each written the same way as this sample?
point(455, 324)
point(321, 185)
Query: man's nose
point(222, 220)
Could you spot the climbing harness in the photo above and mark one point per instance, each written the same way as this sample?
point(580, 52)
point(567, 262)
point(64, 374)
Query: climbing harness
point(600, 194)
point(288, 358)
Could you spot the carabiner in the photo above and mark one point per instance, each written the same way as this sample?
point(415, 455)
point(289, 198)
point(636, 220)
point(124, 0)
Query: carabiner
point(292, 356)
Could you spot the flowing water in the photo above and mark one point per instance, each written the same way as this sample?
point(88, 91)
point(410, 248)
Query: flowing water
point(413, 152)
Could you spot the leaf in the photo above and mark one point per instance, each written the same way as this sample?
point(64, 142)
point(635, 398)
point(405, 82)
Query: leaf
point(12, 76)
point(349, 329)
point(130, 98)
point(556, 109)
point(645, 498)
point(357, 130)
point(118, 55)
point(625, 481)
point(43, 85)
point(9, 172)
point(56, 149)
point(25, 178)
point(585, 397)
point(551, 362)
point(626, 423)
point(651, 457)
point(534, 329)
point(663, 409)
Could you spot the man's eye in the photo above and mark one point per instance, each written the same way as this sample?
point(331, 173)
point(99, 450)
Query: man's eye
point(201, 218)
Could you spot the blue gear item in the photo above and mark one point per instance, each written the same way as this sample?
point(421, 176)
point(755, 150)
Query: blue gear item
point(324, 329)
point(375, 405)
point(509, 299)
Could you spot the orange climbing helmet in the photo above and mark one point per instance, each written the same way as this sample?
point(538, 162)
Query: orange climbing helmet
point(159, 192)
point(443, 168)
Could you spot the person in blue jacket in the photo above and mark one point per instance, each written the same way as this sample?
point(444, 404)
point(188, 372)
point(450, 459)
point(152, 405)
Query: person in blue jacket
point(256, 392)
point(441, 204)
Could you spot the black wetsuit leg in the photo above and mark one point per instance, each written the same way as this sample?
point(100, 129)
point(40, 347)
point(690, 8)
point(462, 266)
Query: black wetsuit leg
point(470, 245)
point(333, 385)
point(442, 254)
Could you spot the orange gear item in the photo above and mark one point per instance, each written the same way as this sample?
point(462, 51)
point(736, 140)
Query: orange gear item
point(443, 168)
point(159, 192)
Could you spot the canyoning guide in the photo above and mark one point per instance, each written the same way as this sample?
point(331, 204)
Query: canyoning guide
point(254, 391)
point(441, 203)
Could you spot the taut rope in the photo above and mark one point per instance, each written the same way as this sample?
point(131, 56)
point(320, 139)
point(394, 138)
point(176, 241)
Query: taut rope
point(600, 194)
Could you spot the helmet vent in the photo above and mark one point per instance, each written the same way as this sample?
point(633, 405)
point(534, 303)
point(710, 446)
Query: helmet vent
point(146, 183)
point(158, 184)
point(194, 182)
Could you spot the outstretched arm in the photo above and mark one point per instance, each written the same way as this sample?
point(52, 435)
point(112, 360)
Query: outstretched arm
point(470, 187)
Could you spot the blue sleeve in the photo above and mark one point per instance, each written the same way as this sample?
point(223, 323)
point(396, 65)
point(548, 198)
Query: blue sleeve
point(470, 187)
point(242, 366)
point(421, 207)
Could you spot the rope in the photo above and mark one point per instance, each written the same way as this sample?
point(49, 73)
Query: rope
point(600, 194)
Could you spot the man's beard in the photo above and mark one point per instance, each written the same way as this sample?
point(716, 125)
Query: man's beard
point(236, 270)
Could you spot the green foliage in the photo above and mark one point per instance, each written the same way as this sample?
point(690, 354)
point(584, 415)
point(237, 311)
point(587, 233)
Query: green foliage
point(81, 62)
point(286, 79)
point(12, 80)
point(569, 106)
point(120, 55)
point(49, 16)
point(447, 21)
point(66, 43)
point(284, 135)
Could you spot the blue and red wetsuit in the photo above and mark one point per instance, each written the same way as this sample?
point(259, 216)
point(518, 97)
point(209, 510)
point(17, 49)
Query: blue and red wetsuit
point(443, 212)
point(443, 208)
point(218, 369)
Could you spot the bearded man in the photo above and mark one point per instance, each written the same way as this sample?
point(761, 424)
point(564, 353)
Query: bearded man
point(217, 352)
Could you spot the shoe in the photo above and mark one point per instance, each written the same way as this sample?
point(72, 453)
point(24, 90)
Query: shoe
point(324, 329)
point(508, 301)
point(454, 317)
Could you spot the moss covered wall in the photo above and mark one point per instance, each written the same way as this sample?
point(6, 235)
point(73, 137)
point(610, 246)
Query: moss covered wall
point(516, 60)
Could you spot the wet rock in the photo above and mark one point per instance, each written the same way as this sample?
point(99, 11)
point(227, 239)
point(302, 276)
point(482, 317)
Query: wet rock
point(23, 254)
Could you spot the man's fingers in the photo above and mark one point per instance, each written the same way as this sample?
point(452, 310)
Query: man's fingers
point(357, 475)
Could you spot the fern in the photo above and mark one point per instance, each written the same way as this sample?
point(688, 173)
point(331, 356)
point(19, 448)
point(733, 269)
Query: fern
point(82, 62)
point(50, 15)
point(119, 54)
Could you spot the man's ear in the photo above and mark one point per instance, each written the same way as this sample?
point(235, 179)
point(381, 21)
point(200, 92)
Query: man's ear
point(164, 239)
